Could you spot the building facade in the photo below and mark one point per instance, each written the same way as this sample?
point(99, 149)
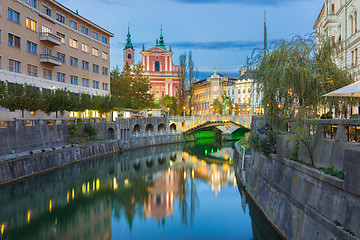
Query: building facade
point(338, 20)
point(47, 45)
point(158, 66)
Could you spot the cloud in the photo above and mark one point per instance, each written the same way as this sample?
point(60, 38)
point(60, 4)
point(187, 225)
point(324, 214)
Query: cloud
point(244, 2)
point(217, 45)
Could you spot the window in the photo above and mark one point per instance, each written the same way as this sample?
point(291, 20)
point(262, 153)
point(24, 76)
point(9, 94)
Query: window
point(355, 21)
point(31, 3)
point(129, 56)
point(85, 47)
point(73, 24)
point(61, 56)
point(31, 47)
point(332, 9)
point(13, 15)
point(105, 86)
point(356, 57)
point(95, 35)
point(61, 77)
point(60, 17)
point(14, 66)
point(74, 80)
point(95, 68)
point(105, 55)
point(32, 70)
point(14, 41)
point(85, 65)
point(157, 66)
point(73, 43)
point(84, 30)
point(46, 10)
point(47, 73)
point(31, 24)
point(96, 84)
point(73, 61)
point(46, 51)
point(62, 36)
point(45, 29)
point(85, 82)
point(95, 52)
point(104, 40)
point(105, 71)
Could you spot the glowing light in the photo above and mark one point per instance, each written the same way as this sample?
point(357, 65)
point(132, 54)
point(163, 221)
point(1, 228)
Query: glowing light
point(206, 152)
point(88, 187)
point(212, 151)
point(115, 184)
point(50, 206)
point(192, 173)
point(126, 182)
point(169, 171)
point(213, 166)
point(218, 150)
point(94, 186)
point(83, 188)
point(97, 184)
point(67, 196)
point(2, 229)
point(230, 159)
point(28, 216)
point(203, 163)
point(184, 175)
point(235, 182)
point(72, 194)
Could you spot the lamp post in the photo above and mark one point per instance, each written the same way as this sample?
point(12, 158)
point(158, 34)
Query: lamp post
point(168, 112)
point(192, 108)
point(184, 111)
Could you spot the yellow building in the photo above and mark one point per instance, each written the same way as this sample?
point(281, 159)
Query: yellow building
point(45, 44)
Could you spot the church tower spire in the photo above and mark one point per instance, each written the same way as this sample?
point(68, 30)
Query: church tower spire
point(161, 41)
point(129, 52)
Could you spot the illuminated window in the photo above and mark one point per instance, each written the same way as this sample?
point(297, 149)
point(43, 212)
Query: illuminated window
point(32, 70)
point(45, 29)
point(85, 47)
point(105, 55)
point(95, 52)
point(61, 36)
point(31, 24)
point(73, 43)
point(13, 15)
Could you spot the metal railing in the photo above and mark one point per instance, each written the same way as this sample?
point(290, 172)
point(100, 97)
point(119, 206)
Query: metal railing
point(213, 119)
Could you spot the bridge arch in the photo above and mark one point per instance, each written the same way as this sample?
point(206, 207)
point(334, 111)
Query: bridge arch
point(161, 127)
point(111, 133)
point(173, 127)
point(137, 128)
point(149, 127)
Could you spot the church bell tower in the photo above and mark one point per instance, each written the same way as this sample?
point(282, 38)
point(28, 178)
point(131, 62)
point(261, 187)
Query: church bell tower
point(129, 52)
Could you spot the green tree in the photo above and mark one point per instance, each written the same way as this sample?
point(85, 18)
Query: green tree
point(169, 103)
point(131, 87)
point(182, 83)
point(32, 98)
point(293, 76)
point(217, 106)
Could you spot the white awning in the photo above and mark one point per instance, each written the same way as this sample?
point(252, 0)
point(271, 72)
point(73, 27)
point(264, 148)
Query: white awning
point(352, 90)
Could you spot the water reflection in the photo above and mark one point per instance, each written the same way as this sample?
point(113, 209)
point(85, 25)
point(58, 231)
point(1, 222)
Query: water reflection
point(94, 199)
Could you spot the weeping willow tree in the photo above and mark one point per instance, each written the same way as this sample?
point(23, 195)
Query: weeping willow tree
point(291, 79)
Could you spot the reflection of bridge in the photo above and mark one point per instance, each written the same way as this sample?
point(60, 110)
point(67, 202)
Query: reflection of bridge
point(190, 124)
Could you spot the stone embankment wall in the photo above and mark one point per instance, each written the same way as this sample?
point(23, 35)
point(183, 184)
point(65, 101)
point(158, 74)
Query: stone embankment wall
point(28, 165)
point(302, 202)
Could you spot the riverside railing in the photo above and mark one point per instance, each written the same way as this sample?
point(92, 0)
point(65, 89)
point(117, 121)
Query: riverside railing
point(244, 121)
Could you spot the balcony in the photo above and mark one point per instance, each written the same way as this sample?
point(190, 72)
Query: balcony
point(50, 38)
point(47, 58)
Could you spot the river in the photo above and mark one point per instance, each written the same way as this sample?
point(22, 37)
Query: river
point(179, 191)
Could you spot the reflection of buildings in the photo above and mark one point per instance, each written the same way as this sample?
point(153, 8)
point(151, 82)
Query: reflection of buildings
point(162, 194)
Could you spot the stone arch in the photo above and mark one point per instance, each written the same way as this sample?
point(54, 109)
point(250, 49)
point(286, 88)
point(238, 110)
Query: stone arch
point(173, 127)
point(137, 128)
point(149, 127)
point(129, 56)
point(111, 133)
point(161, 127)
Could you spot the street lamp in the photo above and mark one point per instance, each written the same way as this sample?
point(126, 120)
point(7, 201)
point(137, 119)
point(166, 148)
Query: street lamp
point(184, 111)
point(192, 108)
point(168, 111)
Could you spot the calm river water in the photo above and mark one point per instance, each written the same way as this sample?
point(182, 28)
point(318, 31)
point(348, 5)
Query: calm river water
point(182, 191)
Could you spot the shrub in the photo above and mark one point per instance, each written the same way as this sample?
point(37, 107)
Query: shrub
point(333, 172)
point(327, 115)
point(90, 130)
point(265, 143)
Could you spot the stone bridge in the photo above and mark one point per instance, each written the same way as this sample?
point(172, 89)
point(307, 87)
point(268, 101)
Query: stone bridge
point(227, 124)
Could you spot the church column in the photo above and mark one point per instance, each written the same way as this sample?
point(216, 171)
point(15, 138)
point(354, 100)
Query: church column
point(171, 90)
point(166, 63)
point(166, 89)
point(147, 63)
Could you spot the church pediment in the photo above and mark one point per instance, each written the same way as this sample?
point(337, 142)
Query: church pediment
point(156, 50)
